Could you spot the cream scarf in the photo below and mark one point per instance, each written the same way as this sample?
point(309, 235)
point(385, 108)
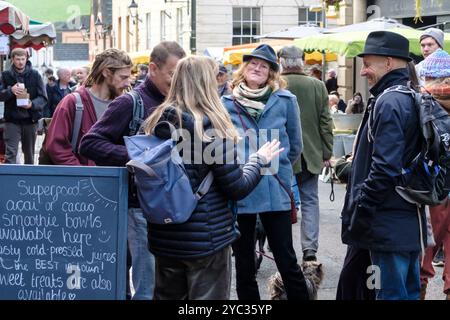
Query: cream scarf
point(254, 100)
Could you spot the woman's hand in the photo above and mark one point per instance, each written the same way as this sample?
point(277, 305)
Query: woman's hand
point(270, 150)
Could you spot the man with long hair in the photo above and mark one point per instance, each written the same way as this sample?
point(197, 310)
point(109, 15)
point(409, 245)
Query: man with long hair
point(104, 144)
point(109, 77)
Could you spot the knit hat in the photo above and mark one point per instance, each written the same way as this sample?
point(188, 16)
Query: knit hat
point(436, 65)
point(436, 34)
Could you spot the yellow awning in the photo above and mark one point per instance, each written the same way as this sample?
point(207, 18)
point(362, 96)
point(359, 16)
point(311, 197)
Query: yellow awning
point(140, 56)
point(233, 55)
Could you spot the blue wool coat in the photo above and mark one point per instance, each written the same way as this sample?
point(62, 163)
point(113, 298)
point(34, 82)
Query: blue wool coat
point(279, 120)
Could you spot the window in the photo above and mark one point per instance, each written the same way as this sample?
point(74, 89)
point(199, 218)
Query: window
point(180, 26)
point(128, 44)
point(148, 23)
point(305, 16)
point(246, 24)
point(163, 26)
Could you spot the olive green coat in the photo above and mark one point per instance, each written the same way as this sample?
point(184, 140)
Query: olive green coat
point(317, 125)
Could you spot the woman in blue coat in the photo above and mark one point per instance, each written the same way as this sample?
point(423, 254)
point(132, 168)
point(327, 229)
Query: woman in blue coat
point(262, 110)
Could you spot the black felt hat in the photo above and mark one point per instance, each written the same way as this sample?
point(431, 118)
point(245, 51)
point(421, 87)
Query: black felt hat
point(388, 44)
point(266, 53)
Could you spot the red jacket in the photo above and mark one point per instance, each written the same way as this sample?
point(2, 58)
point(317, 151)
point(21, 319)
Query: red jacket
point(59, 135)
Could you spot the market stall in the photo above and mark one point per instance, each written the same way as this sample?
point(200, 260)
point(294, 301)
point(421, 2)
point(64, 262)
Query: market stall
point(233, 55)
point(37, 37)
point(12, 19)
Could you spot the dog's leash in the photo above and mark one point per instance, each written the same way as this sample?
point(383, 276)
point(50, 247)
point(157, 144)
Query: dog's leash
point(265, 255)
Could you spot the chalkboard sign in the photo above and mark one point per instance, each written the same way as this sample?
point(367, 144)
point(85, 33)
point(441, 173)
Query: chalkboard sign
point(62, 232)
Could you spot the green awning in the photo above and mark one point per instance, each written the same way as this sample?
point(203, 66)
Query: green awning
point(350, 44)
point(53, 10)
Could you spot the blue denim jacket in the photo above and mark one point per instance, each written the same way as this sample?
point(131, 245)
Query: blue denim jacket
point(280, 120)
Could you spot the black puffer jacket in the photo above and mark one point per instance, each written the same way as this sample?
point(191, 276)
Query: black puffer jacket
point(212, 225)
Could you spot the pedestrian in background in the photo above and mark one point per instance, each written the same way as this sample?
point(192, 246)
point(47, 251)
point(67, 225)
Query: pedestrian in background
point(436, 71)
point(81, 75)
point(260, 105)
point(105, 146)
point(316, 73)
point(21, 118)
point(331, 83)
point(317, 133)
point(56, 93)
point(223, 85)
point(431, 40)
point(341, 105)
point(355, 105)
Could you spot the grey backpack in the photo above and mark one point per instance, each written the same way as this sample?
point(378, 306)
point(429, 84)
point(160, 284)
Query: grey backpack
point(164, 191)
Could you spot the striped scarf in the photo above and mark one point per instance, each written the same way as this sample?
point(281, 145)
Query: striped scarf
point(254, 100)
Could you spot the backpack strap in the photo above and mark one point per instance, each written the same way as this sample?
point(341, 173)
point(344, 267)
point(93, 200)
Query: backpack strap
point(138, 112)
point(77, 122)
point(397, 88)
point(205, 185)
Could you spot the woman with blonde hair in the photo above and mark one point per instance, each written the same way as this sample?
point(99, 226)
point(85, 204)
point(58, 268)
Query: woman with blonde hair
point(262, 109)
point(193, 259)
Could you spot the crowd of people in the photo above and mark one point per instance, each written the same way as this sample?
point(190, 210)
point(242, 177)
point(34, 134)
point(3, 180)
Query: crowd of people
point(284, 115)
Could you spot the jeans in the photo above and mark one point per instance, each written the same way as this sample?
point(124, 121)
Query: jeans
point(309, 189)
point(15, 133)
point(399, 274)
point(294, 189)
point(207, 278)
point(142, 260)
point(278, 227)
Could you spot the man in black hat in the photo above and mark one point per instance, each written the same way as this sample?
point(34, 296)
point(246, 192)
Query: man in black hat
point(375, 218)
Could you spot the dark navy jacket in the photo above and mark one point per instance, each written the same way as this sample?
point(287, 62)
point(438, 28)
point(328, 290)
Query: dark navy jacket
point(104, 142)
point(55, 94)
point(35, 88)
point(374, 216)
point(212, 225)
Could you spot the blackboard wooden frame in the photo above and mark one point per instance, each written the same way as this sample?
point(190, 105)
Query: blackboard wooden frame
point(91, 172)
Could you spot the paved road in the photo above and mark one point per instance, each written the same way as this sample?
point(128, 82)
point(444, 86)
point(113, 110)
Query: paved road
point(331, 250)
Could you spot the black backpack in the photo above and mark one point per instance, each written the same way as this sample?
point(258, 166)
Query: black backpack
point(426, 180)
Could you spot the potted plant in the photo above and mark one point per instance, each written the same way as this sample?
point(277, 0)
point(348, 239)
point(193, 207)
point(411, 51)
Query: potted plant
point(333, 3)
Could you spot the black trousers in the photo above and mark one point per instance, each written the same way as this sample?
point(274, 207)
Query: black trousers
point(353, 278)
point(278, 228)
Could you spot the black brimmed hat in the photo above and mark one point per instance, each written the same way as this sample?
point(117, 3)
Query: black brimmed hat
point(266, 53)
point(388, 44)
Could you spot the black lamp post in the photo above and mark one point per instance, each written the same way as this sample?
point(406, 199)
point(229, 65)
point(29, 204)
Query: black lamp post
point(133, 7)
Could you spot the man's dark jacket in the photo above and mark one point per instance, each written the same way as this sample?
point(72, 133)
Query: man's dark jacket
point(35, 88)
point(55, 94)
point(374, 216)
point(104, 142)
